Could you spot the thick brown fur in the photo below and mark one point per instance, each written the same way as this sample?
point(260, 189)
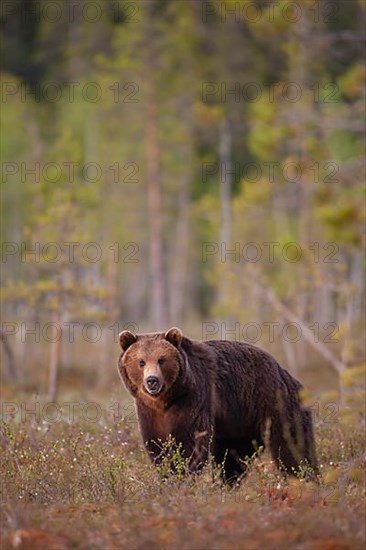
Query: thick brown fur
point(219, 397)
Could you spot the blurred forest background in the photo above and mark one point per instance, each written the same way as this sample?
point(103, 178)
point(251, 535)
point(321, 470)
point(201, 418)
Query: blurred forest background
point(169, 133)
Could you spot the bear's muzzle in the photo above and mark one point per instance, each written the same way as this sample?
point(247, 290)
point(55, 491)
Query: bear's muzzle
point(153, 385)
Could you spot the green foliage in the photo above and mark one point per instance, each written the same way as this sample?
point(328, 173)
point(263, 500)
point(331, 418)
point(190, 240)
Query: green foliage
point(314, 195)
point(96, 477)
point(344, 145)
point(172, 463)
point(266, 136)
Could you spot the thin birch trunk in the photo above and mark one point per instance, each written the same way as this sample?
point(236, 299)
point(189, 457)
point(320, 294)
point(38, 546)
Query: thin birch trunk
point(158, 276)
point(55, 356)
point(225, 175)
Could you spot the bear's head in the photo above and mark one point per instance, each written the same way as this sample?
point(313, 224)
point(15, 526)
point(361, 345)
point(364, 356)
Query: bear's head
point(151, 363)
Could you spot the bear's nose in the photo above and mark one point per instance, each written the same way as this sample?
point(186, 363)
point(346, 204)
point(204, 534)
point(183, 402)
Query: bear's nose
point(152, 382)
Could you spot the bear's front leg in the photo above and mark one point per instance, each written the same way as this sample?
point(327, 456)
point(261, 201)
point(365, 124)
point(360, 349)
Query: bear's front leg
point(192, 435)
point(153, 436)
point(168, 438)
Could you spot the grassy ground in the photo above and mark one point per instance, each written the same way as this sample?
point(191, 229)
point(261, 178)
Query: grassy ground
point(84, 481)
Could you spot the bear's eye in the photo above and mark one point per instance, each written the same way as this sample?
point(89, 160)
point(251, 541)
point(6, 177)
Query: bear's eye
point(161, 360)
point(142, 363)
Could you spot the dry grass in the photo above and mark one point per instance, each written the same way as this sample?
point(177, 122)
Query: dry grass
point(90, 485)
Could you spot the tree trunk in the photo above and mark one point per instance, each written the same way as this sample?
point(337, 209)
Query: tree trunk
point(158, 286)
point(290, 354)
point(107, 351)
point(9, 362)
point(158, 276)
point(54, 360)
point(225, 175)
point(225, 180)
point(181, 244)
point(298, 148)
point(357, 282)
point(77, 62)
point(180, 257)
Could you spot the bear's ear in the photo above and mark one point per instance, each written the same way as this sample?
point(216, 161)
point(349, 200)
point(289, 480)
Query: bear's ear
point(174, 336)
point(126, 339)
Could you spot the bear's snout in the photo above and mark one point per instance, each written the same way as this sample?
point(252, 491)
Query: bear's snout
point(153, 384)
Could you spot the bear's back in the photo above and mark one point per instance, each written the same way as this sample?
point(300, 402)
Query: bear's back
point(247, 382)
point(251, 363)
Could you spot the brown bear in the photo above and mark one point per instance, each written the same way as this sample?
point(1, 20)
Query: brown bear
point(216, 397)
